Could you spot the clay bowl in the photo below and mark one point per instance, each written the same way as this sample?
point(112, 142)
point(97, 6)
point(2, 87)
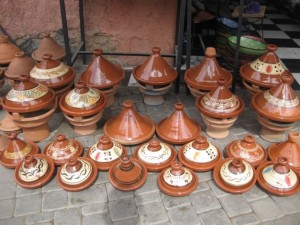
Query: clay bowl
point(248, 45)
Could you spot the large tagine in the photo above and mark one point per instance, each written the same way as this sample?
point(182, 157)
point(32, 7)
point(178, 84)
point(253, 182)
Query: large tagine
point(278, 109)
point(199, 155)
point(178, 128)
point(177, 180)
point(155, 155)
point(105, 153)
point(278, 177)
point(154, 77)
point(219, 109)
point(204, 77)
point(234, 175)
point(103, 75)
point(83, 107)
point(129, 127)
point(7, 50)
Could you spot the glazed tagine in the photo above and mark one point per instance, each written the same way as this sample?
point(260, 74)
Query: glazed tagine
point(247, 149)
point(7, 50)
point(234, 175)
point(204, 77)
point(105, 153)
point(219, 109)
point(129, 127)
point(278, 178)
point(154, 78)
point(61, 149)
point(177, 180)
point(178, 128)
point(155, 155)
point(127, 174)
point(199, 155)
point(278, 110)
point(83, 107)
point(35, 171)
point(103, 75)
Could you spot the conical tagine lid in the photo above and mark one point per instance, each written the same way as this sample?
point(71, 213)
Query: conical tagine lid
point(20, 65)
point(7, 50)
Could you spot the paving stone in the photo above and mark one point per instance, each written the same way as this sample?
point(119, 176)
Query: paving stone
point(204, 201)
point(55, 121)
point(67, 217)
point(7, 175)
point(175, 202)
point(13, 221)
point(99, 218)
point(214, 217)
point(55, 200)
point(95, 208)
point(51, 186)
point(149, 187)
point(235, 205)
point(122, 209)
point(86, 141)
point(147, 198)
point(292, 219)
point(266, 209)
point(246, 219)
point(153, 213)
point(102, 178)
point(202, 186)
point(40, 218)
point(7, 190)
point(204, 176)
point(66, 129)
point(47, 223)
point(131, 221)
point(140, 107)
point(28, 205)
point(255, 193)
point(7, 207)
point(288, 204)
point(21, 192)
point(217, 191)
point(115, 194)
point(184, 215)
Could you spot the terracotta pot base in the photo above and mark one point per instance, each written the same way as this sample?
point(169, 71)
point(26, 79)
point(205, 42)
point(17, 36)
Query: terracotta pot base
point(110, 94)
point(8, 125)
point(251, 88)
point(153, 99)
point(197, 92)
point(38, 133)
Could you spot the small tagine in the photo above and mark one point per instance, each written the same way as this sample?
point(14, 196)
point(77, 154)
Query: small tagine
point(219, 109)
point(3, 142)
point(83, 107)
point(278, 178)
point(247, 149)
point(177, 180)
point(105, 152)
point(16, 151)
point(234, 175)
point(129, 127)
point(155, 155)
point(7, 50)
point(154, 78)
point(127, 174)
point(35, 171)
point(199, 155)
point(204, 77)
point(61, 149)
point(278, 110)
point(77, 174)
point(103, 75)
point(264, 72)
point(178, 128)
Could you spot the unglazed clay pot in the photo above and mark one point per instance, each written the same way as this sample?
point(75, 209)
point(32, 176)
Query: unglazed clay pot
point(7, 50)
point(83, 107)
point(129, 127)
point(177, 180)
point(234, 175)
point(154, 77)
point(199, 155)
point(155, 155)
point(127, 174)
point(2, 78)
point(3, 142)
point(204, 77)
point(16, 151)
point(61, 149)
point(35, 171)
point(105, 153)
point(278, 178)
point(278, 110)
point(178, 128)
point(247, 149)
point(7, 124)
point(219, 109)
point(103, 75)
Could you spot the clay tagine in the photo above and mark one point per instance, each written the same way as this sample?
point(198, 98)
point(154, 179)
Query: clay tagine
point(16, 151)
point(234, 175)
point(219, 109)
point(278, 178)
point(7, 50)
point(178, 128)
point(61, 149)
point(83, 107)
point(155, 155)
point(3, 142)
point(154, 77)
point(105, 153)
point(127, 174)
point(278, 110)
point(247, 149)
point(177, 180)
point(129, 127)
point(35, 171)
point(204, 77)
point(2, 78)
point(103, 75)
point(199, 155)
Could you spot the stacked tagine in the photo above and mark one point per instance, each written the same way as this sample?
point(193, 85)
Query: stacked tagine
point(7, 51)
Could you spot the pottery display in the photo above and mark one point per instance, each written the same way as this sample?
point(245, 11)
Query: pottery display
point(2, 78)
point(83, 107)
point(127, 174)
point(35, 171)
point(278, 110)
point(3, 142)
point(129, 127)
point(177, 180)
point(7, 124)
point(199, 155)
point(154, 77)
point(7, 50)
point(178, 128)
